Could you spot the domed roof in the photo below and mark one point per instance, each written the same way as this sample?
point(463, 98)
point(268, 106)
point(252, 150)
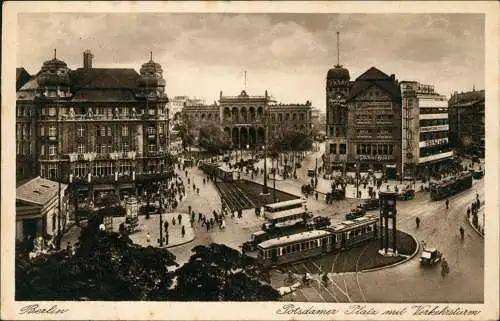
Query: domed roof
point(151, 74)
point(338, 72)
point(54, 63)
point(54, 72)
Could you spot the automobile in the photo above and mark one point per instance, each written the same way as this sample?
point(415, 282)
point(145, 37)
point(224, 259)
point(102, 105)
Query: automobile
point(430, 256)
point(406, 194)
point(478, 174)
point(310, 172)
point(354, 214)
point(319, 222)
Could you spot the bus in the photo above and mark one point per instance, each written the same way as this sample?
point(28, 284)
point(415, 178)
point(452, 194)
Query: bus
point(283, 206)
point(288, 218)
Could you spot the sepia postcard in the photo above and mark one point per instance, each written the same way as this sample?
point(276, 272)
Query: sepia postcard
point(299, 160)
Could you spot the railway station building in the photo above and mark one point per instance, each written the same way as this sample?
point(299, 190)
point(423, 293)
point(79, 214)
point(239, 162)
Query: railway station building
point(99, 130)
point(243, 118)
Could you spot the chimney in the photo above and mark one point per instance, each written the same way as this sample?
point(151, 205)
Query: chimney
point(87, 59)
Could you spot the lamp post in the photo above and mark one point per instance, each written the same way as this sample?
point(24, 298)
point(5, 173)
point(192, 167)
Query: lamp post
point(161, 218)
point(274, 178)
point(357, 178)
point(264, 188)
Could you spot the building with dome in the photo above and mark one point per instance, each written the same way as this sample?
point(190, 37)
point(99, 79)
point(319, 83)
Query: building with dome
point(100, 130)
point(337, 90)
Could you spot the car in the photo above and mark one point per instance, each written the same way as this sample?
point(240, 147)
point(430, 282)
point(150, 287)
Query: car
point(406, 194)
point(430, 256)
point(311, 172)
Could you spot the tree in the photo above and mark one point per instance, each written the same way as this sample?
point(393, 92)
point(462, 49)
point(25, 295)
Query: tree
point(185, 132)
point(105, 266)
point(220, 273)
point(212, 138)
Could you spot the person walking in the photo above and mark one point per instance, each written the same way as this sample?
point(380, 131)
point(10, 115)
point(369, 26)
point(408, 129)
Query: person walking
point(179, 218)
point(417, 221)
point(165, 225)
point(173, 221)
point(447, 203)
point(462, 232)
point(183, 231)
point(148, 237)
point(316, 195)
point(166, 238)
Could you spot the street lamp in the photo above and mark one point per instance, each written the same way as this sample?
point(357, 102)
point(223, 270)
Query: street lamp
point(357, 179)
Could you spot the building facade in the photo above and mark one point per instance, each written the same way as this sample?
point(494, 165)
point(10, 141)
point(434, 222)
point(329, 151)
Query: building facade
point(97, 129)
point(425, 144)
point(337, 90)
point(243, 118)
point(41, 208)
point(467, 126)
point(374, 124)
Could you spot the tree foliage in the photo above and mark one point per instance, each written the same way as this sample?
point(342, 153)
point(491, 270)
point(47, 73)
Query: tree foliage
point(220, 273)
point(185, 132)
point(104, 266)
point(292, 140)
point(212, 138)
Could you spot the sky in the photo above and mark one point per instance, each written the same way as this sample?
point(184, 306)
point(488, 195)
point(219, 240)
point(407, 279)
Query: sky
point(287, 54)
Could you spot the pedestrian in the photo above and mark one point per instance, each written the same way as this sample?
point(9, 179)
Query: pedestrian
point(194, 187)
point(198, 191)
point(189, 181)
point(148, 237)
point(173, 221)
point(165, 225)
point(166, 238)
point(68, 248)
point(447, 203)
point(179, 218)
point(207, 223)
point(468, 212)
point(203, 181)
point(183, 231)
point(417, 220)
point(462, 232)
point(232, 214)
point(316, 195)
point(192, 216)
point(189, 209)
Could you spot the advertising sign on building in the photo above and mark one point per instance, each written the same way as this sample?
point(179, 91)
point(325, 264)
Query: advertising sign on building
point(377, 158)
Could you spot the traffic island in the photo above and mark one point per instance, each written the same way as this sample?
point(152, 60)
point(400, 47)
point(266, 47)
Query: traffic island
point(361, 258)
point(254, 192)
point(152, 226)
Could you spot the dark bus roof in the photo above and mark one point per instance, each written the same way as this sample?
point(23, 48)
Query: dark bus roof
point(299, 237)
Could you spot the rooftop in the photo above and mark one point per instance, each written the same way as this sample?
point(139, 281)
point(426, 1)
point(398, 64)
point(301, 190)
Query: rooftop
point(38, 191)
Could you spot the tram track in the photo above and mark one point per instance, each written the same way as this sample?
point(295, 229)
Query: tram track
point(357, 272)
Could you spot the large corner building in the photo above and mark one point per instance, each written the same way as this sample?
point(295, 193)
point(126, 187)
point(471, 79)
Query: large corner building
point(96, 129)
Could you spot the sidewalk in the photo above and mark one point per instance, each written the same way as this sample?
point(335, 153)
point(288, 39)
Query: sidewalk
point(480, 220)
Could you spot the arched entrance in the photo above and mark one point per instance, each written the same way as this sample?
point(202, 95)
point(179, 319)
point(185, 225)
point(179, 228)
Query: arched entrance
point(234, 114)
point(252, 136)
point(260, 136)
point(243, 113)
point(244, 137)
point(226, 115)
point(236, 137)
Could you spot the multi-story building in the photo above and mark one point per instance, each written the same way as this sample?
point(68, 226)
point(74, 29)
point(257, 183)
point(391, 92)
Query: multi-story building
point(337, 90)
point(374, 123)
point(466, 115)
point(425, 145)
point(176, 104)
point(243, 119)
point(98, 129)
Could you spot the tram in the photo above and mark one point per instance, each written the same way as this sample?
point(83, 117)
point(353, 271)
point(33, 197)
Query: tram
point(313, 243)
point(451, 186)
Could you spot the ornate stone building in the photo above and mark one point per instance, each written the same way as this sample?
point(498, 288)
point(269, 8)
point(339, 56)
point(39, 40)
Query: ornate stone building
point(374, 123)
point(98, 129)
point(243, 118)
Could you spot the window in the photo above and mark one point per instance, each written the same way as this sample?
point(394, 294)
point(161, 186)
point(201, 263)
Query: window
point(103, 131)
point(151, 130)
point(42, 130)
point(160, 128)
point(124, 111)
point(81, 149)
point(80, 170)
point(80, 130)
point(151, 148)
point(124, 131)
point(52, 111)
point(52, 131)
point(52, 150)
point(109, 131)
point(42, 149)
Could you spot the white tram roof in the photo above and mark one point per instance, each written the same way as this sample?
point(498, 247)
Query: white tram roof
point(285, 203)
point(303, 236)
point(280, 214)
point(348, 225)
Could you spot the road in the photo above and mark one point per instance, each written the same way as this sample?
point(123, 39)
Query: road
point(407, 282)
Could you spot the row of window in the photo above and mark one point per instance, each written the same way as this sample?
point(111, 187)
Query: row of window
point(433, 135)
point(374, 149)
point(337, 131)
point(23, 148)
point(100, 131)
point(371, 133)
point(341, 150)
point(23, 131)
point(433, 110)
point(433, 122)
point(99, 148)
point(428, 151)
point(105, 111)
